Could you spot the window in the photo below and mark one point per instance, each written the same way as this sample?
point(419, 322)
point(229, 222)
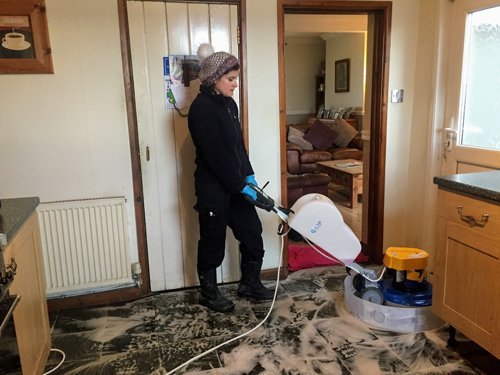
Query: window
point(480, 109)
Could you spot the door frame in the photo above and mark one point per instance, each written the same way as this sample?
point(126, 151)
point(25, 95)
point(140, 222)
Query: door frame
point(382, 11)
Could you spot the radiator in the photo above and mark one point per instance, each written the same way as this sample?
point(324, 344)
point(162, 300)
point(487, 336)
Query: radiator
point(85, 245)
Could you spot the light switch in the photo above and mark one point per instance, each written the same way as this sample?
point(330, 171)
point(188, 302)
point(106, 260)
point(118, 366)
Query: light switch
point(397, 96)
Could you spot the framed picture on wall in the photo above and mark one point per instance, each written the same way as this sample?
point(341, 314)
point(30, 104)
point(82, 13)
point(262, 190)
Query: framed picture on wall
point(342, 75)
point(24, 36)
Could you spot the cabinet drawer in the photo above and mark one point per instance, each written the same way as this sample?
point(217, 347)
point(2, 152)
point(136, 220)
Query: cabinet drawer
point(448, 207)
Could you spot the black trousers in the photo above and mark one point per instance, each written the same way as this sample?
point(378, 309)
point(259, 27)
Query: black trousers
point(236, 213)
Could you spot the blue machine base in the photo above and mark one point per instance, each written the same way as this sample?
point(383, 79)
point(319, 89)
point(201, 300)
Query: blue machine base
point(415, 298)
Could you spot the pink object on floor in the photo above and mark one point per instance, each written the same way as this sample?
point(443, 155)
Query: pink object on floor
point(301, 256)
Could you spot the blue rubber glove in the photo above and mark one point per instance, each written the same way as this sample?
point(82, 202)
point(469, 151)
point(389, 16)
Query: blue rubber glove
point(247, 190)
point(251, 180)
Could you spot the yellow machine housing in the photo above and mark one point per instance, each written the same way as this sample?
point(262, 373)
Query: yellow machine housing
point(411, 260)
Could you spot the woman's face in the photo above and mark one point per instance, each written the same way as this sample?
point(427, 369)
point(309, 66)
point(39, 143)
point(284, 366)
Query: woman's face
point(227, 83)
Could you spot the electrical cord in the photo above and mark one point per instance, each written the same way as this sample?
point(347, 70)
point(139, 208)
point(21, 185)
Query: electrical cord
point(59, 364)
point(247, 332)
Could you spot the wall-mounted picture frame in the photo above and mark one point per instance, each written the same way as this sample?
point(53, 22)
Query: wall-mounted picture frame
point(342, 77)
point(24, 36)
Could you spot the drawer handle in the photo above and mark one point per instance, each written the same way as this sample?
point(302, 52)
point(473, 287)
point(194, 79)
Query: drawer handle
point(469, 219)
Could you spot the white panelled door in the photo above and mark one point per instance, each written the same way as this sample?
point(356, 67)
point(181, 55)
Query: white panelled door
point(472, 129)
point(157, 30)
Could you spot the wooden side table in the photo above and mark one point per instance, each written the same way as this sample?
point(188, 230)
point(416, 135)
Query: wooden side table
point(347, 173)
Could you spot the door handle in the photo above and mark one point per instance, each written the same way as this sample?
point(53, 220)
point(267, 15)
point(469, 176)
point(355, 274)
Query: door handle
point(450, 135)
point(148, 154)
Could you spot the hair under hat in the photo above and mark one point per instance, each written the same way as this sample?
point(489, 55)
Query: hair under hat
point(215, 66)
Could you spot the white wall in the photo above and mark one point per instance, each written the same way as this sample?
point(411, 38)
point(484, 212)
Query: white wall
point(64, 135)
point(430, 95)
point(403, 56)
point(263, 111)
point(303, 56)
point(345, 46)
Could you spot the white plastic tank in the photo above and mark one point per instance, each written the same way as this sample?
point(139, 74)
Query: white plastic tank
point(317, 218)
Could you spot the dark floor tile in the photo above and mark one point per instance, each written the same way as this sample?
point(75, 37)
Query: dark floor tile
point(52, 319)
point(79, 320)
point(9, 358)
point(196, 322)
point(79, 346)
point(9, 352)
point(309, 331)
point(174, 353)
point(286, 349)
point(417, 351)
point(371, 357)
point(344, 329)
point(128, 336)
point(302, 287)
point(140, 362)
point(144, 307)
point(86, 367)
point(165, 302)
point(477, 357)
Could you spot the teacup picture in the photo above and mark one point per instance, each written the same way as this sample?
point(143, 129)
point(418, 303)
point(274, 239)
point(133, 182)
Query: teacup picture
point(13, 40)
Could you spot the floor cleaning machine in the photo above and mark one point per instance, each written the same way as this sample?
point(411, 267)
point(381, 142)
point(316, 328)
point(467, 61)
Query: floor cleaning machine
point(397, 295)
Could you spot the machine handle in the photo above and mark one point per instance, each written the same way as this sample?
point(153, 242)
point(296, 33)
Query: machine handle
point(469, 219)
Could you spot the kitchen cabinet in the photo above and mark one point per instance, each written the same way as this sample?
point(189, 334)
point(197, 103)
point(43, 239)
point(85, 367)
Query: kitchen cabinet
point(30, 316)
point(466, 287)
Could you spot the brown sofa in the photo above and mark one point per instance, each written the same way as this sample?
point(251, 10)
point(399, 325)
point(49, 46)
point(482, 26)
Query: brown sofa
point(300, 160)
point(300, 183)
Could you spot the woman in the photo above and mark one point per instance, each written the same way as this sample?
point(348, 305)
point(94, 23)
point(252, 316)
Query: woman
point(223, 172)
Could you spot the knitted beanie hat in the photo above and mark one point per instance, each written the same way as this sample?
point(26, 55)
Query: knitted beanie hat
point(214, 66)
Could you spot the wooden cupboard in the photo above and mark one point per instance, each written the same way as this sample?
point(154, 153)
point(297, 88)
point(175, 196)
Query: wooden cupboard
point(466, 289)
point(30, 316)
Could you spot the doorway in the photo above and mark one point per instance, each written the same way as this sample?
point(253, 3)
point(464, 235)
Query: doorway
point(379, 16)
point(163, 36)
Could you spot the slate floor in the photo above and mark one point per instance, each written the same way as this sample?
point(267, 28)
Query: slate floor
point(309, 332)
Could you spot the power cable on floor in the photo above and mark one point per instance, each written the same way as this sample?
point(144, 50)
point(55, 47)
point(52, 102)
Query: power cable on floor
point(59, 364)
point(247, 332)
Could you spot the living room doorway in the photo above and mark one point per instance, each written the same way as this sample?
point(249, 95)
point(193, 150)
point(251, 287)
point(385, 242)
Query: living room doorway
point(366, 215)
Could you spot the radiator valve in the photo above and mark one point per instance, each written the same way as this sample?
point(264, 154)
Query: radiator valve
point(136, 273)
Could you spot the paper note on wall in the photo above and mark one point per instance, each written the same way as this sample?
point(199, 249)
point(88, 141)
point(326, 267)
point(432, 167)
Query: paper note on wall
point(180, 80)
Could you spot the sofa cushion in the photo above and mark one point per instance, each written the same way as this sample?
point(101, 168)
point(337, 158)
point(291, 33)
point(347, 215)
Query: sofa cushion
point(345, 133)
point(356, 142)
point(308, 179)
point(347, 153)
point(297, 137)
point(314, 156)
point(320, 135)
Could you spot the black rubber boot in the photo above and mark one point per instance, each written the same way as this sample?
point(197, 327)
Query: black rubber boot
point(210, 295)
point(250, 284)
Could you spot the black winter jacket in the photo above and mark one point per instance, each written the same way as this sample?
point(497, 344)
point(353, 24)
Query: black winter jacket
point(222, 162)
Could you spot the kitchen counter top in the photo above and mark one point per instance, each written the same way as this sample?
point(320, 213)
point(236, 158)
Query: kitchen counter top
point(484, 185)
point(13, 213)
